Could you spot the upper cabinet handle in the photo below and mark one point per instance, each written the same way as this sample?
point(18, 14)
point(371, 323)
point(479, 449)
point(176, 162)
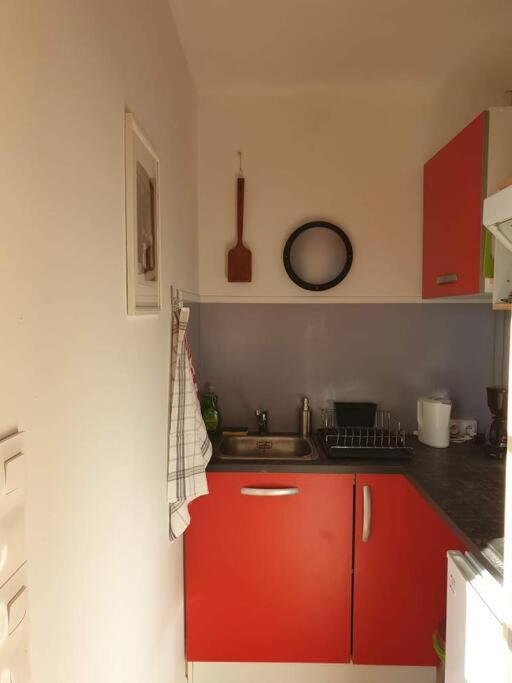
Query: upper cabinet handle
point(447, 279)
point(367, 514)
point(250, 491)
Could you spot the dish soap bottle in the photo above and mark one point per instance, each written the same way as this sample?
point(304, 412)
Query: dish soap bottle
point(305, 419)
point(210, 412)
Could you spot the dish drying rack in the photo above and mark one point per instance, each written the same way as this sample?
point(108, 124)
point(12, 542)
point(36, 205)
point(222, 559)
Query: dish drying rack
point(387, 433)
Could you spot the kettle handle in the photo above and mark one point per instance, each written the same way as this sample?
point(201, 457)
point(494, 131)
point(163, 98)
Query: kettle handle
point(419, 413)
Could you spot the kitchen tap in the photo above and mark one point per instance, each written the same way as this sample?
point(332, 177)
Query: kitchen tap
point(262, 417)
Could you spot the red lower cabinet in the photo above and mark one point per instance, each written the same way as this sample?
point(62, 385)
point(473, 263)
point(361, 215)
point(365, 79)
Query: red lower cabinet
point(278, 570)
point(399, 572)
point(268, 577)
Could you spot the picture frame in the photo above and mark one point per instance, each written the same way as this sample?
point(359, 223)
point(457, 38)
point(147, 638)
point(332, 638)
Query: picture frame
point(142, 187)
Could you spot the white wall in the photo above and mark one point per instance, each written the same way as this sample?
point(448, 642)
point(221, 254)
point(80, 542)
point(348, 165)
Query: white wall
point(353, 156)
point(87, 383)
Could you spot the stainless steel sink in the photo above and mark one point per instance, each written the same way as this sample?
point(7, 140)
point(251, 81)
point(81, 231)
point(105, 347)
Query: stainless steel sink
point(266, 447)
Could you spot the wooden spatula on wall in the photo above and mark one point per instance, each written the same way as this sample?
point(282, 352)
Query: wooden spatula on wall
point(240, 258)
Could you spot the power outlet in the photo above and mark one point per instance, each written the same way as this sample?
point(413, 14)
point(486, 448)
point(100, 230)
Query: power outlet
point(463, 427)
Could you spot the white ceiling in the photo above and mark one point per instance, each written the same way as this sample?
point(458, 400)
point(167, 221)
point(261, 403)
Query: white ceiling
point(233, 44)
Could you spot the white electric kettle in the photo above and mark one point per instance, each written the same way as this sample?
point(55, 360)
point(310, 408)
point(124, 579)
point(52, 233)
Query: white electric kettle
point(434, 421)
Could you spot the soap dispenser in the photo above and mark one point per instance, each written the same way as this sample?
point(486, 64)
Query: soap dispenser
point(305, 419)
point(210, 412)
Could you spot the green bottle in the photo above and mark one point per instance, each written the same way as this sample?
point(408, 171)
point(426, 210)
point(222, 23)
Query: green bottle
point(210, 413)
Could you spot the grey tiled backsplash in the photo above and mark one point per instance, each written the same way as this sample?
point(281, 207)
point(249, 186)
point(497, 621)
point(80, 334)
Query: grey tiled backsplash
point(269, 355)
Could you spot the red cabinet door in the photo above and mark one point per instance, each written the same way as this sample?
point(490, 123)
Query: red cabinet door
point(399, 572)
point(453, 194)
point(268, 578)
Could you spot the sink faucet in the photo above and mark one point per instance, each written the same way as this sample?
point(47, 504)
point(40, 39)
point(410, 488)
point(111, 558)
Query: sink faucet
point(262, 417)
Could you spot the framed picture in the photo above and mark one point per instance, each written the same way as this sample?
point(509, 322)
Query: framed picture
point(143, 275)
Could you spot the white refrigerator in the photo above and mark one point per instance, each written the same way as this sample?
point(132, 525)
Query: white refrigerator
point(477, 650)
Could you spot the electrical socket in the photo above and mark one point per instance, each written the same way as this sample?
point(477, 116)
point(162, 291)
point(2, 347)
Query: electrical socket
point(463, 427)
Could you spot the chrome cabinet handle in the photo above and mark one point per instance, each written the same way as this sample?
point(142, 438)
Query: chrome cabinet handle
point(250, 491)
point(367, 513)
point(447, 279)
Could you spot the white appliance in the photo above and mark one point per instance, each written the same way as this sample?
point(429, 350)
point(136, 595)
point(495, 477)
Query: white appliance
point(434, 421)
point(476, 640)
point(497, 218)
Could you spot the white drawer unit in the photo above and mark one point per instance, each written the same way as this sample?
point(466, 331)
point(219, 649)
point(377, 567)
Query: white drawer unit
point(12, 506)
point(14, 667)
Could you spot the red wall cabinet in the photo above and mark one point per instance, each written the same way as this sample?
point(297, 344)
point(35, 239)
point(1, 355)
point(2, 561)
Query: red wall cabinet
point(268, 578)
point(399, 572)
point(453, 194)
point(455, 182)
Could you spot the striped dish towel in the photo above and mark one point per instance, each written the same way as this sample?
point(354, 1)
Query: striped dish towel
point(189, 446)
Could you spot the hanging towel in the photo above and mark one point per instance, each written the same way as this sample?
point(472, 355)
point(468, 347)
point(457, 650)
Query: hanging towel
point(189, 446)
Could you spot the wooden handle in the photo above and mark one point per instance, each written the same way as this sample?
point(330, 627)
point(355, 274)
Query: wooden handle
point(240, 185)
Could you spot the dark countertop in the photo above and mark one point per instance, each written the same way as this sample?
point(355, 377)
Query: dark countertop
point(463, 483)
